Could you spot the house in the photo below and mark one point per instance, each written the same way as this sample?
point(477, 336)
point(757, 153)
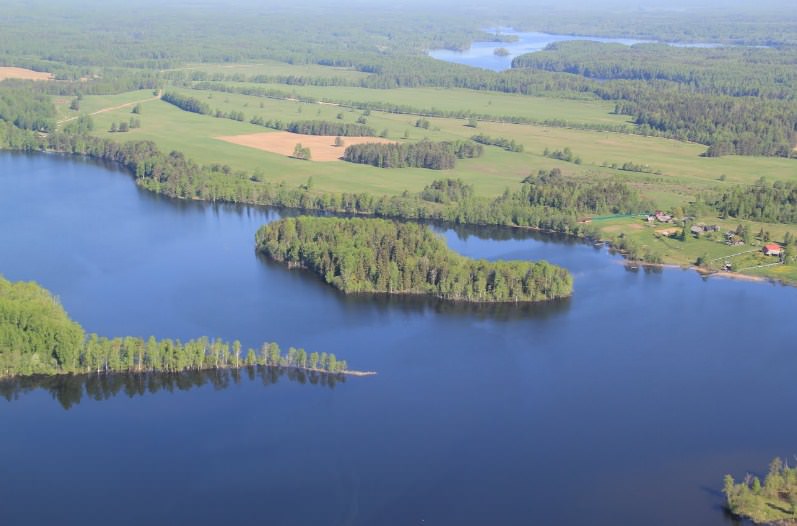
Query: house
point(663, 218)
point(772, 249)
point(697, 229)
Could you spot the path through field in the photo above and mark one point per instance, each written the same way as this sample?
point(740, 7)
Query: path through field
point(112, 108)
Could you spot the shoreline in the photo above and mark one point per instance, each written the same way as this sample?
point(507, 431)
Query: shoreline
point(353, 373)
point(584, 239)
point(704, 272)
point(724, 274)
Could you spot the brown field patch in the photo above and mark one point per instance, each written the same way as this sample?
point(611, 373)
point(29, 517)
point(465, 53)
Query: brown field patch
point(322, 147)
point(9, 72)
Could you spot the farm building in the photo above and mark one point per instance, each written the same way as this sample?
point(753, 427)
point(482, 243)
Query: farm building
point(772, 249)
point(663, 217)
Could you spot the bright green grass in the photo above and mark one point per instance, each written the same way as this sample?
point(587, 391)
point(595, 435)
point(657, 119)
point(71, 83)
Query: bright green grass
point(679, 252)
point(95, 103)
point(481, 102)
point(192, 134)
point(272, 67)
point(684, 171)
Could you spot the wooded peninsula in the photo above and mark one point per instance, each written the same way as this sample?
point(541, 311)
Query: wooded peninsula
point(37, 337)
point(772, 502)
point(379, 256)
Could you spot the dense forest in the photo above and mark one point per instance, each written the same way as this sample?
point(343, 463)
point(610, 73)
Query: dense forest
point(340, 129)
point(769, 203)
point(447, 191)
point(26, 110)
point(423, 154)
point(37, 337)
point(772, 502)
point(552, 189)
point(734, 99)
point(374, 255)
point(345, 129)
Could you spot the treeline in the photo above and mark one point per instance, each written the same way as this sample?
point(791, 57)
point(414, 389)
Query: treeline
point(310, 127)
point(27, 110)
point(565, 155)
point(735, 100)
point(552, 189)
point(374, 255)
point(37, 337)
point(507, 144)
point(630, 166)
point(70, 389)
point(342, 129)
point(339, 129)
point(732, 71)
point(406, 109)
point(447, 191)
point(186, 103)
point(765, 202)
point(176, 176)
point(423, 154)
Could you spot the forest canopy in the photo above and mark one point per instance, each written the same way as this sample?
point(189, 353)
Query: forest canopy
point(375, 255)
point(424, 154)
point(38, 337)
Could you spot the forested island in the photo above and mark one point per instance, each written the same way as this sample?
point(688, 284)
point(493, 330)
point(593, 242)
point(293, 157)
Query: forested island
point(540, 117)
point(379, 256)
point(37, 337)
point(772, 502)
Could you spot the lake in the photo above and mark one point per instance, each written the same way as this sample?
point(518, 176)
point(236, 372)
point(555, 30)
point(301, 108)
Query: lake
point(481, 54)
point(625, 404)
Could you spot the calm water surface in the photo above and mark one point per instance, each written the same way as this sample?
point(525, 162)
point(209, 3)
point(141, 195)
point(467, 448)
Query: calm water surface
point(624, 405)
point(481, 54)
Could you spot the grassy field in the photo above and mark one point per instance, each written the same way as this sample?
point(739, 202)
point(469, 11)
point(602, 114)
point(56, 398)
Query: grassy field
point(681, 170)
point(272, 67)
point(479, 102)
point(712, 247)
point(94, 103)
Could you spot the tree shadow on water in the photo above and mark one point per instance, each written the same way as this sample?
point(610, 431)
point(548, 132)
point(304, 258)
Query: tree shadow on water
point(70, 389)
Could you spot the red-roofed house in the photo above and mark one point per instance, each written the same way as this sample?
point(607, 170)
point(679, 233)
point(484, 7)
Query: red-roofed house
point(772, 249)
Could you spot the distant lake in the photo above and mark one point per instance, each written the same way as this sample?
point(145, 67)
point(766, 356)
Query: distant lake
point(482, 54)
point(624, 405)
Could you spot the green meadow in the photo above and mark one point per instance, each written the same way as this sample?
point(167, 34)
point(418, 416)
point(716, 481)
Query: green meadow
point(272, 67)
point(681, 172)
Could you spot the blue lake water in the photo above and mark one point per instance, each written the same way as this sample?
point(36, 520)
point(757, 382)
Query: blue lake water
point(481, 54)
point(624, 405)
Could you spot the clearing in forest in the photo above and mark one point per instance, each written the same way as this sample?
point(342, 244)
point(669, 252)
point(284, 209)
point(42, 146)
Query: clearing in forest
point(322, 147)
point(10, 72)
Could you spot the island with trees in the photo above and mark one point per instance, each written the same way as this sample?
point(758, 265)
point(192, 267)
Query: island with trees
point(379, 256)
point(772, 502)
point(670, 111)
point(37, 337)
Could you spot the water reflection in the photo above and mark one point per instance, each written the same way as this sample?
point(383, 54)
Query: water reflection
point(503, 233)
point(69, 390)
point(413, 304)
